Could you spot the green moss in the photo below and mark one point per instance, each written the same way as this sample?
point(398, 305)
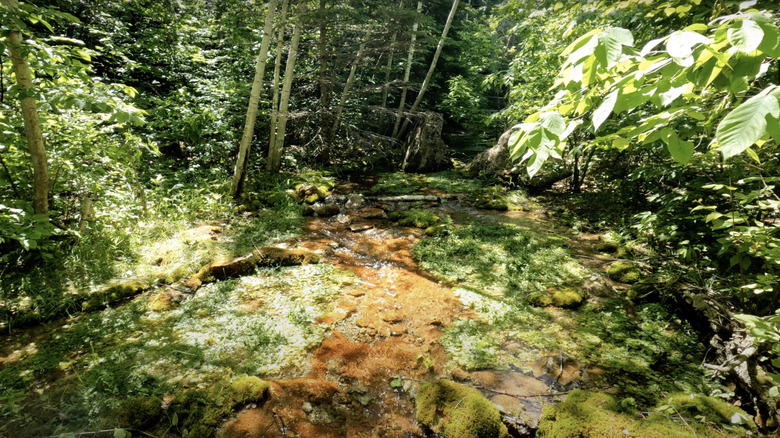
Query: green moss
point(594, 415)
point(563, 297)
point(140, 412)
point(247, 388)
point(415, 218)
point(607, 246)
point(624, 272)
point(708, 409)
point(457, 411)
point(114, 293)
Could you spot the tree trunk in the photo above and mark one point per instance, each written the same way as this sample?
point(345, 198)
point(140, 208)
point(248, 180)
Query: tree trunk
point(239, 173)
point(32, 127)
point(388, 69)
point(428, 77)
point(277, 70)
point(347, 86)
point(275, 154)
point(407, 74)
point(324, 155)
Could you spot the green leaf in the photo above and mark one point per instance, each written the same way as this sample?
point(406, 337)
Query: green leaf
point(553, 122)
point(121, 433)
point(601, 113)
point(747, 36)
point(680, 46)
point(175, 419)
point(620, 143)
point(579, 43)
point(609, 49)
point(747, 123)
point(681, 151)
point(770, 44)
point(712, 216)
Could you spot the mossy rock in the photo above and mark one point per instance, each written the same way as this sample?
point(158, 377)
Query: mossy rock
point(415, 218)
point(437, 230)
point(713, 410)
point(327, 210)
point(161, 302)
point(310, 193)
point(201, 411)
point(607, 246)
point(566, 297)
point(588, 414)
point(624, 272)
point(453, 410)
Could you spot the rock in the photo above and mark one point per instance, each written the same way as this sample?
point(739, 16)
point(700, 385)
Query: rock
point(356, 228)
point(492, 162)
point(566, 297)
point(460, 374)
point(327, 210)
point(355, 201)
point(424, 150)
point(307, 407)
point(458, 411)
point(162, 302)
point(624, 272)
point(372, 213)
point(309, 193)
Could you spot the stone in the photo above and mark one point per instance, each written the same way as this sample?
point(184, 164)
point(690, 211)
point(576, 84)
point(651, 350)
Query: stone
point(453, 410)
point(424, 149)
point(355, 201)
point(356, 228)
point(492, 162)
point(327, 210)
point(372, 213)
point(307, 407)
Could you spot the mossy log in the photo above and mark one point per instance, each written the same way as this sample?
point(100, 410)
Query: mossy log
point(214, 271)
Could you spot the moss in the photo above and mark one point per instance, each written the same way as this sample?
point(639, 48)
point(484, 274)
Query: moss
point(457, 411)
point(590, 415)
point(200, 411)
point(607, 246)
point(563, 297)
point(710, 409)
point(161, 302)
point(114, 293)
point(415, 218)
point(624, 272)
point(140, 412)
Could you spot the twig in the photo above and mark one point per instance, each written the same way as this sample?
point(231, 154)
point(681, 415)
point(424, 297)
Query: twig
point(459, 402)
point(683, 420)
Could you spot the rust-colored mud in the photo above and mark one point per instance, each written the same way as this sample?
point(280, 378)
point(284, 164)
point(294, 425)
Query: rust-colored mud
point(386, 326)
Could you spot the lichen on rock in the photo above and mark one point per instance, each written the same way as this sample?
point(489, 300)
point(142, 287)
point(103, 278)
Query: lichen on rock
point(458, 411)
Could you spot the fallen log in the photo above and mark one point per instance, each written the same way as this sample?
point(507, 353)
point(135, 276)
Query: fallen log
point(409, 198)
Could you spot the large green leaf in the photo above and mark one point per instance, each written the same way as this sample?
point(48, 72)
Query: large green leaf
point(681, 151)
point(553, 122)
point(609, 49)
point(747, 123)
point(680, 46)
point(746, 36)
point(601, 114)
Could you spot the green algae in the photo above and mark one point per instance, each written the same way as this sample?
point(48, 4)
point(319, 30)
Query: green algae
point(458, 411)
point(588, 414)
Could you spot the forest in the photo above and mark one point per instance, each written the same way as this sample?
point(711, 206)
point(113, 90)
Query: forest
point(389, 218)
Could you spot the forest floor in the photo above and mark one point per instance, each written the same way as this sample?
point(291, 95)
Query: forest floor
point(510, 302)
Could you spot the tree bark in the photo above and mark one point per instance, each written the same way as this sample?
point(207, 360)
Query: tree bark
point(275, 154)
point(239, 173)
point(388, 69)
point(347, 86)
point(277, 70)
point(428, 77)
point(32, 127)
point(324, 154)
point(407, 74)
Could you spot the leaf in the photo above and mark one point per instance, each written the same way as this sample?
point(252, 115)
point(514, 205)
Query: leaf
point(746, 124)
point(175, 419)
point(609, 49)
point(712, 216)
point(680, 45)
point(620, 143)
point(553, 122)
point(747, 37)
point(601, 113)
point(770, 44)
point(681, 151)
point(121, 433)
point(578, 43)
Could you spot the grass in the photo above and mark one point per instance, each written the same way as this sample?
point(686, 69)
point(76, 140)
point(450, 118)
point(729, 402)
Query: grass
point(640, 350)
point(106, 361)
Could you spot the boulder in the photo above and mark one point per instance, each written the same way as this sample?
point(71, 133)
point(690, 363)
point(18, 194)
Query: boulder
point(424, 150)
point(453, 410)
point(494, 161)
point(327, 210)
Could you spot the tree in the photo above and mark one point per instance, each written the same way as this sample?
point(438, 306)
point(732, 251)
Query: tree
point(427, 80)
point(239, 173)
point(275, 153)
point(32, 128)
point(277, 71)
point(407, 74)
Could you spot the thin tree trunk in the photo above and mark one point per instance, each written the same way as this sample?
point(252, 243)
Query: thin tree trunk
point(275, 154)
point(324, 155)
point(347, 86)
point(277, 69)
point(32, 127)
point(428, 77)
point(388, 69)
point(407, 74)
point(239, 174)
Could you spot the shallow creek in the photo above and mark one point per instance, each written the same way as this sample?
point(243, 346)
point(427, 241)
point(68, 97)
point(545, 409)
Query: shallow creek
point(385, 327)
